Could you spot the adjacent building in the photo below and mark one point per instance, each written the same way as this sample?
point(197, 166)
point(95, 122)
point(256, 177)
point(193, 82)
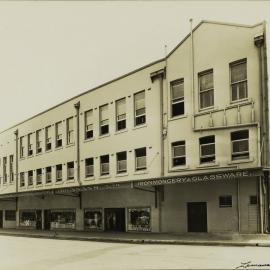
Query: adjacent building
point(180, 145)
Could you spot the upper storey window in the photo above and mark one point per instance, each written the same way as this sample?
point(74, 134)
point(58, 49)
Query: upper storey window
point(104, 119)
point(121, 114)
point(30, 144)
point(58, 134)
point(177, 98)
point(38, 141)
point(70, 131)
point(206, 88)
point(48, 135)
point(139, 106)
point(22, 147)
point(88, 118)
point(207, 149)
point(240, 144)
point(238, 80)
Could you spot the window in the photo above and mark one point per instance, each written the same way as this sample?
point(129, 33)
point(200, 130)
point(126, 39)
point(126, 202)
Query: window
point(121, 114)
point(104, 119)
point(48, 138)
point(88, 118)
point(48, 174)
point(93, 219)
point(140, 159)
point(70, 170)
point(139, 219)
point(30, 144)
point(4, 170)
point(178, 153)
point(11, 170)
point(207, 149)
point(22, 180)
point(70, 131)
point(58, 172)
point(39, 176)
point(10, 215)
point(240, 147)
point(121, 162)
point(89, 167)
point(177, 98)
point(104, 165)
point(38, 141)
point(58, 134)
point(22, 146)
point(206, 88)
point(253, 200)
point(139, 106)
point(30, 178)
point(225, 201)
point(238, 80)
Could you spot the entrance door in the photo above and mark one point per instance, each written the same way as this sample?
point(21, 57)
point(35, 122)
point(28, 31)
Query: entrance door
point(47, 219)
point(1, 219)
point(39, 220)
point(115, 219)
point(197, 216)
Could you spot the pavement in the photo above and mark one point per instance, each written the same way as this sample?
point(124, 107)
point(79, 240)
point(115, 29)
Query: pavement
point(208, 239)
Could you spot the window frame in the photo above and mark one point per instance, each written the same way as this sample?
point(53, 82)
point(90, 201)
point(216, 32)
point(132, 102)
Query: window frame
point(48, 139)
point(86, 166)
point(102, 163)
point(86, 125)
point(22, 179)
point(107, 120)
point(173, 157)
point(117, 116)
point(228, 203)
point(70, 132)
point(240, 140)
point(136, 157)
point(143, 115)
point(118, 171)
point(200, 75)
point(70, 170)
point(58, 177)
point(201, 145)
point(57, 134)
point(176, 101)
point(38, 141)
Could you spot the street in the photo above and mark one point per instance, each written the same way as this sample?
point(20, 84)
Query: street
point(41, 254)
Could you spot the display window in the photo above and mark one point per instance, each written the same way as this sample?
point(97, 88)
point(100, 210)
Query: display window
point(63, 219)
point(93, 219)
point(28, 218)
point(139, 219)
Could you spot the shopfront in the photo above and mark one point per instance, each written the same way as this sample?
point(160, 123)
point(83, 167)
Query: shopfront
point(63, 219)
point(139, 219)
point(31, 219)
point(93, 219)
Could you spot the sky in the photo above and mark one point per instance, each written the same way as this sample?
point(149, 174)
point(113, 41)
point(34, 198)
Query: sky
point(51, 51)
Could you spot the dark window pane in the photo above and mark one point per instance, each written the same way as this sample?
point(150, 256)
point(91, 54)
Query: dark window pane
point(178, 109)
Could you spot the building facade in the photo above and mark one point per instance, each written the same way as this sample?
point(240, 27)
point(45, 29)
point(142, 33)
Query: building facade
point(179, 145)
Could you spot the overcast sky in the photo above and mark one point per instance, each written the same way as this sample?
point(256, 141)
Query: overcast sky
point(51, 51)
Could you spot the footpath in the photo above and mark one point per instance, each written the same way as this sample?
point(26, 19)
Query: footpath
point(207, 239)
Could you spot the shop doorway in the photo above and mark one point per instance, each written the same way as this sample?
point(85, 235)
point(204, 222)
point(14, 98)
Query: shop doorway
point(47, 219)
point(197, 216)
point(115, 219)
point(38, 219)
point(1, 219)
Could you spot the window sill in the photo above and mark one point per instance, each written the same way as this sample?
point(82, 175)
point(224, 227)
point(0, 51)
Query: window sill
point(22, 188)
point(49, 184)
point(30, 156)
point(89, 178)
point(70, 145)
point(71, 180)
point(238, 161)
point(58, 148)
point(208, 165)
point(141, 172)
point(243, 100)
point(140, 126)
point(11, 183)
point(30, 187)
point(39, 185)
point(206, 110)
point(48, 151)
point(178, 168)
point(104, 136)
point(120, 131)
point(59, 182)
point(178, 117)
point(22, 158)
point(121, 174)
point(89, 140)
point(105, 176)
point(39, 154)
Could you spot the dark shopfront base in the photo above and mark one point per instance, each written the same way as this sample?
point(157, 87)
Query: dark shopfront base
point(115, 219)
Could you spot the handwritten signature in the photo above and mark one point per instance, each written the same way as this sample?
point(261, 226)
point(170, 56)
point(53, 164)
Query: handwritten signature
point(248, 264)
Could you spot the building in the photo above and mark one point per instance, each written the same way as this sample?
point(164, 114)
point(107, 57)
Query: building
point(179, 145)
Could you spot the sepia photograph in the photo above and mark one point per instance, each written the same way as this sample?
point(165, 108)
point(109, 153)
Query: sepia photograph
point(134, 135)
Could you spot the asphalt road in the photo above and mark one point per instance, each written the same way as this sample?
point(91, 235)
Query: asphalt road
point(21, 253)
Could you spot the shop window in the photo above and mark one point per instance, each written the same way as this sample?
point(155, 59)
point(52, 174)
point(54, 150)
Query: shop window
point(177, 98)
point(39, 176)
point(206, 88)
point(30, 178)
point(10, 215)
point(104, 165)
point(240, 144)
point(28, 218)
point(120, 114)
point(140, 158)
point(207, 149)
point(139, 219)
point(121, 162)
point(11, 168)
point(58, 134)
point(38, 141)
point(58, 172)
point(48, 138)
point(89, 167)
point(88, 118)
point(4, 170)
point(253, 200)
point(48, 174)
point(238, 80)
point(104, 119)
point(22, 179)
point(63, 219)
point(93, 219)
point(70, 170)
point(30, 144)
point(70, 131)
point(178, 153)
point(225, 201)
point(139, 108)
point(22, 146)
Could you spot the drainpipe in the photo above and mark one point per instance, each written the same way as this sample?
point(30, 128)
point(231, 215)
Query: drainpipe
point(16, 133)
point(192, 72)
point(77, 107)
